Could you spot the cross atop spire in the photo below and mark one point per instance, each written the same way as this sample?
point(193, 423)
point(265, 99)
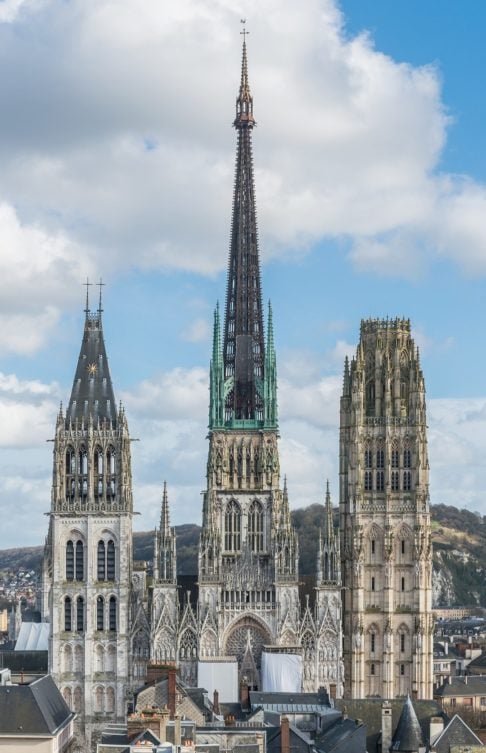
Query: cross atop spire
point(244, 101)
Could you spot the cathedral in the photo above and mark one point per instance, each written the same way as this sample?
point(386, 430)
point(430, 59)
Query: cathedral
point(111, 618)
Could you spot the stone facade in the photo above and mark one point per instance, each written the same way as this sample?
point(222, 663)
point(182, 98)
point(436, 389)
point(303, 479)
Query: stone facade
point(384, 517)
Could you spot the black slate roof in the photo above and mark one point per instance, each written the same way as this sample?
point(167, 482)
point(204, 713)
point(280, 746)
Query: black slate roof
point(457, 732)
point(463, 686)
point(343, 734)
point(369, 710)
point(38, 708)
point(92, 394)
point(408, 734)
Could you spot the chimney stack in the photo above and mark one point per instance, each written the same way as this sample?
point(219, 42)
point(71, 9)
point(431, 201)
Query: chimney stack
point(284, 734)
point(171, 691)
point(386, 727)
point(216, 702)
point(177, 729)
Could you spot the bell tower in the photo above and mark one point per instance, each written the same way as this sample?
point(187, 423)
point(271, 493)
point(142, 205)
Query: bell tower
point(385, 517)
point(248, 556)
point(88, 553)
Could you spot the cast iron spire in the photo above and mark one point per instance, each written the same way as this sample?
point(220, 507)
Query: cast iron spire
point(243, 348)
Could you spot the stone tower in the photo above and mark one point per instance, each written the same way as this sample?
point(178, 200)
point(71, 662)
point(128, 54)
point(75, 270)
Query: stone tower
point(248, 555)
point(384, 517)
point(88, 555)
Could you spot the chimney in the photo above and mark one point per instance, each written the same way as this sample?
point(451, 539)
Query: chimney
point(436, 727)
point(284, 734)
point(177, 729)
point(244, 696)
point(216, 702)
point(386, 727)
point(171, 691)
point(446, 647)
point(164, 716)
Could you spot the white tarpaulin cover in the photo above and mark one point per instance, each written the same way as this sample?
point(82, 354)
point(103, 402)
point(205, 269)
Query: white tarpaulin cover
point(33, 636)
point(281, 673)
point(221, 676)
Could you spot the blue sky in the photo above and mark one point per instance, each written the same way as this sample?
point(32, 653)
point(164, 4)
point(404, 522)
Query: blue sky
point(117, 153)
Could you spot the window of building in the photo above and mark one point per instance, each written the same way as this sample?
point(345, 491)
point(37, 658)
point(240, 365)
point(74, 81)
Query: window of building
point(79, 560)
point(380, 481)
point(402, 583)
point(407, 481)
point(380, 459)
point(407, 459)
point(80, 614)
point(112, 612)
point(372, 669)
point(372, 642)
point(402, 642)
point(368, 483)
point(483, 701)
point(467, 702)
point(232, 527)
point(110, 560)
point(372, 582)
point(255, 527)
point(395, 483)
point(100, 613)
point(101, 560)
point(402, 669)
point(372, 546)
point(368, 458)
point(70, 560)
point(67, 614)
point(395, 459)
point(403, 546)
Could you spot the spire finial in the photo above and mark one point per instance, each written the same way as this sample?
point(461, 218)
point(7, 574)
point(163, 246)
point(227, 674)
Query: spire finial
point(244, 102)
point(101, 285)
point(164, 513)
point(88, 285)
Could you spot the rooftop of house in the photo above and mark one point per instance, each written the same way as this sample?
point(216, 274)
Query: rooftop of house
point(35, 709)
point(462, 686)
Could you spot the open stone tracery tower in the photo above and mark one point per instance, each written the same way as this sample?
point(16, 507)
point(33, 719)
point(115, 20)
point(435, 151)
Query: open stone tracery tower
point(384, 517)
point(88, 554)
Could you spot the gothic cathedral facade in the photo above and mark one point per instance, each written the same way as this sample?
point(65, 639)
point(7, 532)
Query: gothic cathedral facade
point(110, 619)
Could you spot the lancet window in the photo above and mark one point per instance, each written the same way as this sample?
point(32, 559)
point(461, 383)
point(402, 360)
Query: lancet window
point(111, 473)
point(112, 612)
point(106, 564)
point(232, 527)
point(67, 614)
point(255, 527)
point(80, 614)
point(100, 613)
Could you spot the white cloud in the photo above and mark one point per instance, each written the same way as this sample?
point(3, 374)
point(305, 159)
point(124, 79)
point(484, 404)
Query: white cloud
point(121, 142)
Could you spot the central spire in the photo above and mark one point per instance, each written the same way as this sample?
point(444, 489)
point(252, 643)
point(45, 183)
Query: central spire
point(243, 347)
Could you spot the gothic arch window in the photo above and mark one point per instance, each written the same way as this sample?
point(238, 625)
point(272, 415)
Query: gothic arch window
point(110, 700)
point(110, 472)
point(308, 644)
point(77, 699)
point(99, 656)
point(407, 458)
point(232, 527)
point(187, 645)
point(100, 613)
point(78, 658)
point(110, 659)
point(380, 481)
point(67, 614)
point(101, 560)
point(70, 472)
point(106, 559)
point(380, 457)
point(407, 481)
point(67, 664)
point(110, 560)
point(395, 481)
point(83, 471)
point(80, 614)
point(99, 700)
point(67, 695)
point(368, 481)
point(395, 457)
point(70, 560)
point(112, 613)
point(368, 458)
point(255, 527)
point(79, 560)
point(370, 397)
point(98, 471)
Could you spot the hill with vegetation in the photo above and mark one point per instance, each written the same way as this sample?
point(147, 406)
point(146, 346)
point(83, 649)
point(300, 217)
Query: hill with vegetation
point(459, 540)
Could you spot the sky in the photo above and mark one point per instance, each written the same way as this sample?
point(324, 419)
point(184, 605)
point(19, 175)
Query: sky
point(117, 157)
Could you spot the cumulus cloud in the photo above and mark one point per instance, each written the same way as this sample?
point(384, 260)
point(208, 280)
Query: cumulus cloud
point(122, 138)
